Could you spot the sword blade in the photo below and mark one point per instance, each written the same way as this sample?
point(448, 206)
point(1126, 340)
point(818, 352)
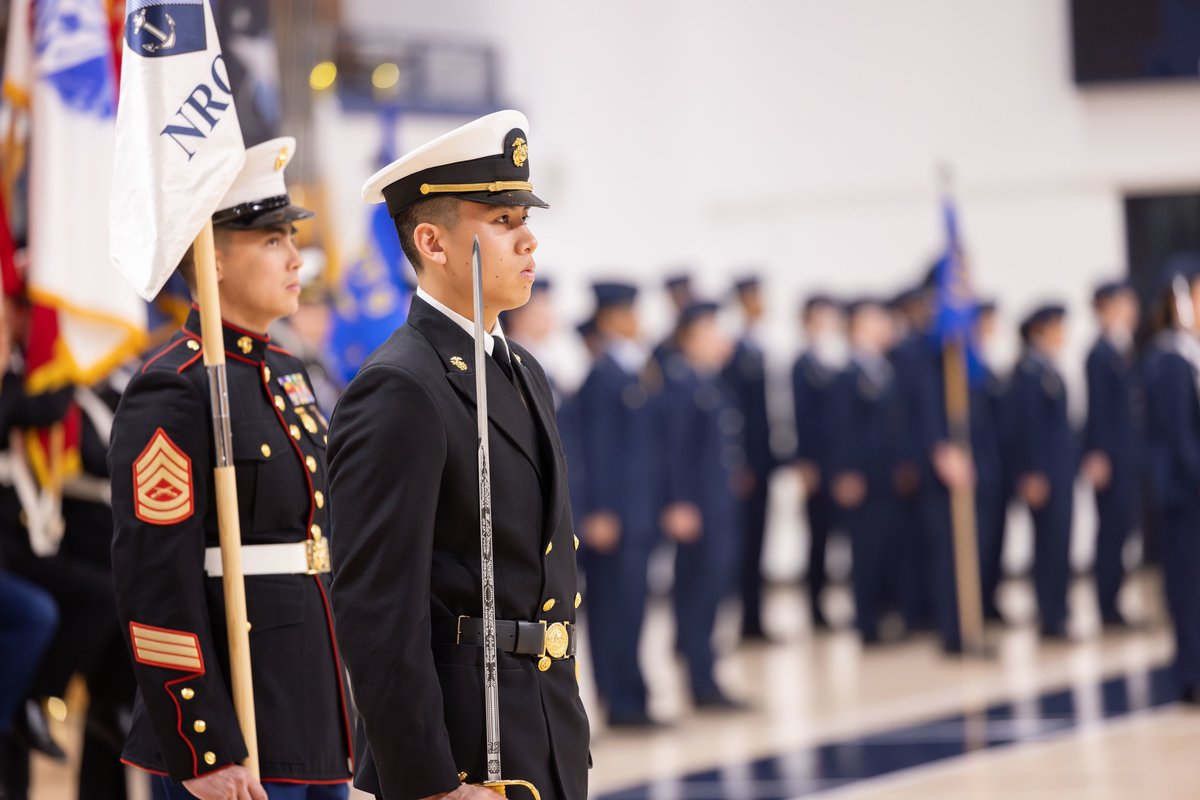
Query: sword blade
point(491, 676)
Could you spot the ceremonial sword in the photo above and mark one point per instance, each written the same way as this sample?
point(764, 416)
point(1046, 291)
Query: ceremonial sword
point(491, 675)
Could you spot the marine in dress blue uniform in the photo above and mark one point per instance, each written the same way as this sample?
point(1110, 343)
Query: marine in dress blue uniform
point(703, 449)
point(1172, 376)
point(621, 498)
point(1046, 460)
point(746, 375)
point(864, 414)
point(1112, 439)
point(678, 286)
point(166, 557)
point(813, 377)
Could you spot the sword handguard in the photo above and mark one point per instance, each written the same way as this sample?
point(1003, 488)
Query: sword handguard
point(501, 787)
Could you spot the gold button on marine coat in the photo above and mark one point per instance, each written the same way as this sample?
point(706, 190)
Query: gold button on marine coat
point(576, 542)
point(266, 450)
point(316, 531)
point(279, 403)
point(199, 726)
point(544, 663)
point(311, 462)
point(294, 431)
point(266, 373)
point(309, 424)
point(549, 604)
point(549, 547)
point(319, 497)
point(187, 693)
point(210, 758)
point(578, 599)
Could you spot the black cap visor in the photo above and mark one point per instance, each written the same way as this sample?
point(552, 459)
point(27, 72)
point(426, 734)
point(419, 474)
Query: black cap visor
point(265, 213)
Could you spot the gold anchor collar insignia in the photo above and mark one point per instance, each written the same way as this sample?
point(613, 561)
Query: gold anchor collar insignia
point(458, 364)
point(520, 151)
point(245, 344)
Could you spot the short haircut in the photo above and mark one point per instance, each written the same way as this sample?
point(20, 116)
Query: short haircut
point(187, 264)
point(436, 211)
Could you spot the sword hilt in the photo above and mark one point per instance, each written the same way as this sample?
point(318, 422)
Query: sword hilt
point(501, 787)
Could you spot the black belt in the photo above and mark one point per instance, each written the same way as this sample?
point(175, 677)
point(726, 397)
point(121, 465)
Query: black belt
point(519, 637)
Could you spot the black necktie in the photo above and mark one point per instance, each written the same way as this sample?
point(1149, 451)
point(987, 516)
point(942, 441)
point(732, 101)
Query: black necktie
point(501, 357)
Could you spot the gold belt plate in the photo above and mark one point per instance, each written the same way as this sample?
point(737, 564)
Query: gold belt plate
point(557, 640)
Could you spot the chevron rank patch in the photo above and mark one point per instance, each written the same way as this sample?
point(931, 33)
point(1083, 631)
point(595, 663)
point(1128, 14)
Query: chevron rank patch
point(297, 389)
point(162, 647)
point(162, 479)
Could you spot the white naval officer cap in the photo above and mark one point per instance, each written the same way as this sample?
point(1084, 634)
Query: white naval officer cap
point(485, 161)
point(259, 197)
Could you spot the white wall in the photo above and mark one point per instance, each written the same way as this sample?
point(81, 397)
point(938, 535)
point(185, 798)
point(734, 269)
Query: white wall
point(803, 135)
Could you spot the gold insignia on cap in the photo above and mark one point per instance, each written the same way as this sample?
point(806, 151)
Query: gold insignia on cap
point(282, 159)
point(520, 151)
point(458, 363)
point(244, 344)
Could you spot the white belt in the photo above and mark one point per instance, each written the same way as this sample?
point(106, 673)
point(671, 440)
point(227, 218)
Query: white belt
point(289, 558)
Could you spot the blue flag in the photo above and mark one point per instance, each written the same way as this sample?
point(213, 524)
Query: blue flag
point(374, 296)
point(956, 307)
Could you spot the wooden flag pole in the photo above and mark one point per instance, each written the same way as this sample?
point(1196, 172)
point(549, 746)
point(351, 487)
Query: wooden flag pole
point(227, 502)
point(962, 502)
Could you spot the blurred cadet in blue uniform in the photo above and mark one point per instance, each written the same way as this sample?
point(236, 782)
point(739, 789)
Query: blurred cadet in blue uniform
point(746, 375)
point(679, 290)
point(919, 519)
point(1173, 458)
point(1046, 461)
point(812, 380)
point(863, 417)
point(621, 499)
point(991, 498)
point(570, 425)
point(705, 464)
point(533, 325)
point(1112, 447)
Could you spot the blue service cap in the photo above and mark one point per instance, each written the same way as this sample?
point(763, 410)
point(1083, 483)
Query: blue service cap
point(747, 283)
point(857, 304)
point(818, 300)
point(1110, 289)
point(680, 280)
point(696, 311)
point(612, 293)
point(1045, 313)
point(586, 328)
point(906, 296)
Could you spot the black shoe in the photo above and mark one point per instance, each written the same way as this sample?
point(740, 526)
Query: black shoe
point(719, 701)
point(635, 720)
point(34, 730)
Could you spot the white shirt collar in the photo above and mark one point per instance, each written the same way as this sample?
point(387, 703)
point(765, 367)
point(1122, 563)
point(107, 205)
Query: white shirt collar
point(467, 325)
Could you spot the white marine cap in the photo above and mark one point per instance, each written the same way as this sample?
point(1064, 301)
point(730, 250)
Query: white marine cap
point(485, 161)
point(259, 197)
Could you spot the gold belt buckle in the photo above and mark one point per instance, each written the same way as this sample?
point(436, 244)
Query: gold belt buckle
point(316, 551)
point(555, 643)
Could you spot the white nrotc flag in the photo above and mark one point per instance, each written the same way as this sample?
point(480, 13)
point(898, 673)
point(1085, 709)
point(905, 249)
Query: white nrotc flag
point(59, 83)
point(179, 145)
